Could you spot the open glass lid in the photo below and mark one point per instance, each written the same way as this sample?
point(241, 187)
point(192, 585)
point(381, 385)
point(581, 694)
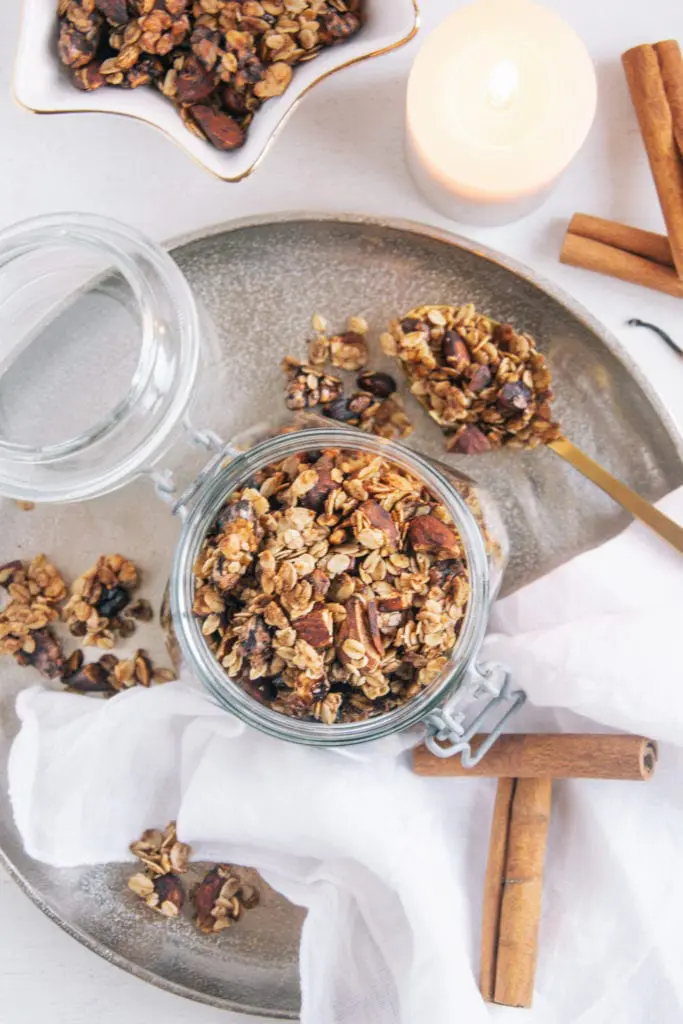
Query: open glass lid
point(99, 348)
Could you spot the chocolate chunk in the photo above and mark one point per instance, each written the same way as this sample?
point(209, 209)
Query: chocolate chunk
point(513, 398)
point(379, 384)
point(112, 601)
point(339, 411)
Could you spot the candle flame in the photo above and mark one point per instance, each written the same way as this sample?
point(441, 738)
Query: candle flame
point(502, 84)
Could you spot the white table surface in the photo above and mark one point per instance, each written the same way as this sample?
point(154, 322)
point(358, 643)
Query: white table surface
point(342, 150)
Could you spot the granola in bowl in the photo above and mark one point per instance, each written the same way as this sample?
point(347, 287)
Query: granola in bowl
point(332, 588)
point(216, 61)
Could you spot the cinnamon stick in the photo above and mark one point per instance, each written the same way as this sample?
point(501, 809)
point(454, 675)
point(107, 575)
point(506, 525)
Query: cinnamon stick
point(671, 67)
point(646, 85)
point(605, 259)
point(493, 887)
point(521, 891)
point(554, 755)
point(647, 244)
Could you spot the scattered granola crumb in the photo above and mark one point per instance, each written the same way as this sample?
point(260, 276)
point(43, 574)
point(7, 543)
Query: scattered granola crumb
point(218, 899)
point(110, 674)
point(376, 408)
point(36, 591)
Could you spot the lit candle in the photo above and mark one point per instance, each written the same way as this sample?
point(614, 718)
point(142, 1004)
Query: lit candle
point(500, 99)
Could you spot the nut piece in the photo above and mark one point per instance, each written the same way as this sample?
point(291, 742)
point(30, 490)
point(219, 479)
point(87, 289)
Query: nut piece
point(357, 645)
point(470, 441)
point(115, 11)
point(315, 627)
point(429, 534)
point(222, 130)
point(194, 82)
point(381, 519)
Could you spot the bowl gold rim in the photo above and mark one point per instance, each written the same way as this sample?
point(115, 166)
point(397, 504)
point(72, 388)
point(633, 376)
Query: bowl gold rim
point(276, 130)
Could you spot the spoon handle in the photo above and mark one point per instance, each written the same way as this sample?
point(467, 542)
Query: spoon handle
point(619, 492)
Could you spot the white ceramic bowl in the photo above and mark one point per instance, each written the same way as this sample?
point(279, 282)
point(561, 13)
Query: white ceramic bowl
point(42, 84)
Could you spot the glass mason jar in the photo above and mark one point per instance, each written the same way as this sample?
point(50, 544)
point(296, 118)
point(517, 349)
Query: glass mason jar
point(76, 423)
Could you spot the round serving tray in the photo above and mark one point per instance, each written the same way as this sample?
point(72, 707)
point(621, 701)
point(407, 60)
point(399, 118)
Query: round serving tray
point(260, 281)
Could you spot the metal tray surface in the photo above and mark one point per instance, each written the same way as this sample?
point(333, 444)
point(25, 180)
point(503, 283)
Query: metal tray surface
point(260, 282)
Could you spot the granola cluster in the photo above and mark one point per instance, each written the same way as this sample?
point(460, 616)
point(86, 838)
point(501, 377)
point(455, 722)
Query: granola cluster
point(217, 61)
point(110, 675)
point(34, 592)
point(37, 601)
point(164, 859)
point(218, 899)
point(375, 408)
point(486, 384)
point(98, 597)
point(333, 587)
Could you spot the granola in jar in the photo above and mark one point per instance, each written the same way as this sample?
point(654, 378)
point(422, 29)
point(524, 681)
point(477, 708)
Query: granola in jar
point(334, 587)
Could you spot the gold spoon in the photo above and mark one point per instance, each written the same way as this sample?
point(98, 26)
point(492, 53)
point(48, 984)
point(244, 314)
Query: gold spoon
point(619, 492)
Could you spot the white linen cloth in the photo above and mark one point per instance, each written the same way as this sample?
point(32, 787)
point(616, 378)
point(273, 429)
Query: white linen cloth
point(391, 866)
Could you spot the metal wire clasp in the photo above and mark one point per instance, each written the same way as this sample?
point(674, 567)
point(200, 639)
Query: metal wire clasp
point(164, 480)
point(447, 731)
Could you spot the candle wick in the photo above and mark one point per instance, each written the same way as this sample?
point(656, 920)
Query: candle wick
point(503, 83)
